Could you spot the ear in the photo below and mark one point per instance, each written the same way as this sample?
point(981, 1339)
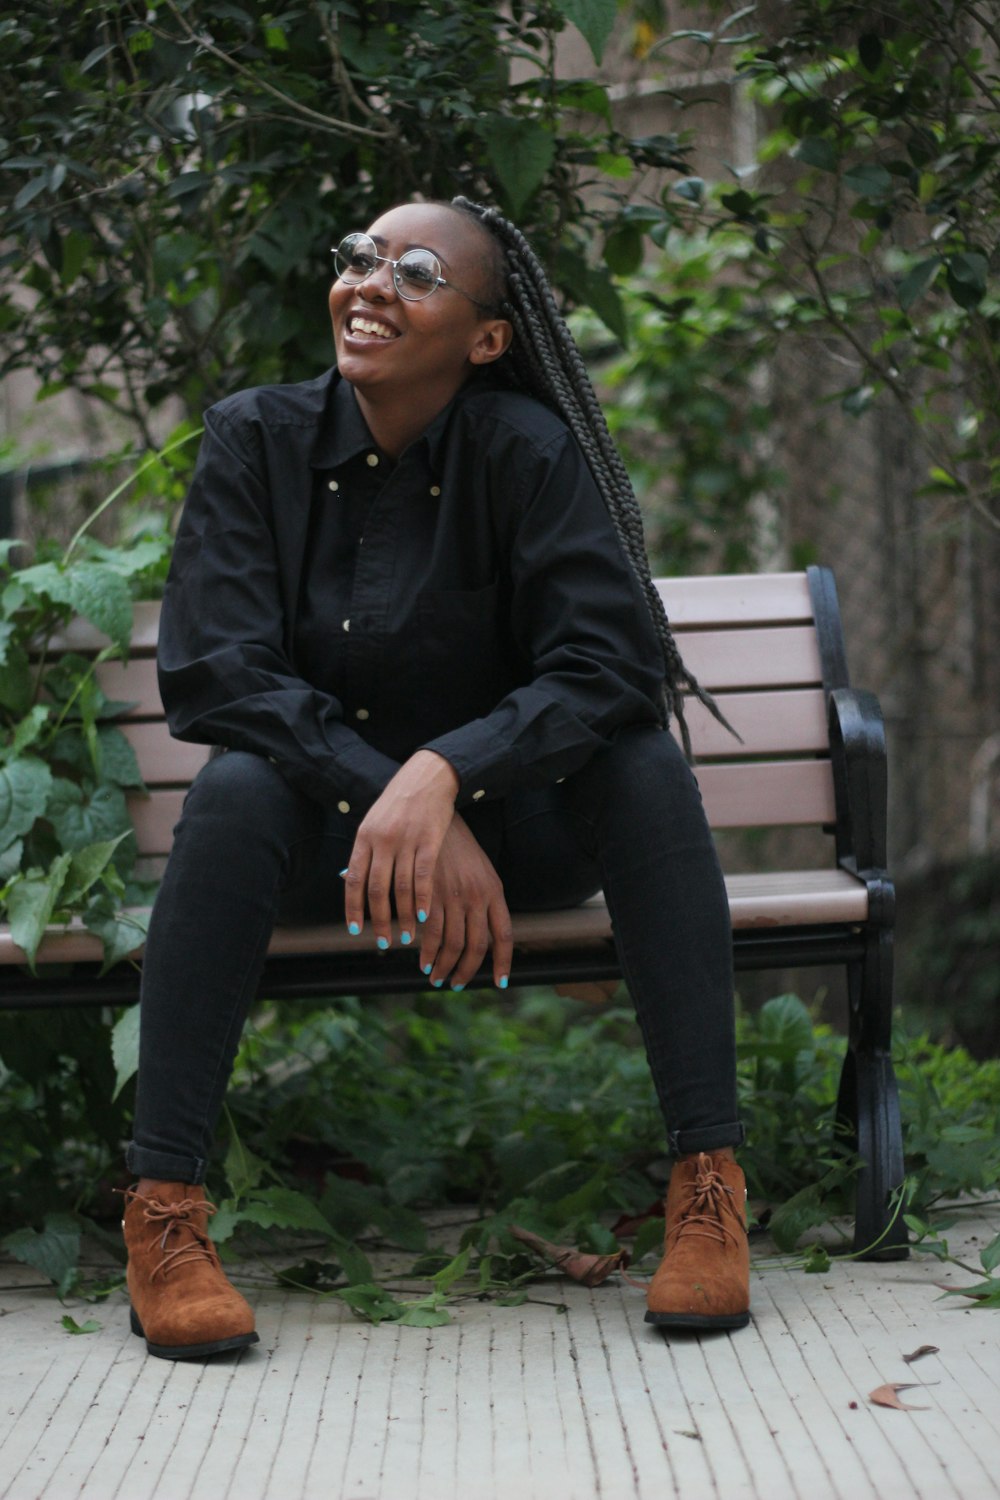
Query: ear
point(493, 338)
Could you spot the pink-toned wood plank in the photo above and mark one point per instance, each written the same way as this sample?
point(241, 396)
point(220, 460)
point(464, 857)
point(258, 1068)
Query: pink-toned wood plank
point(154, 818)
point(770, 723)
point(775, 656)
point(133, 683)
point(161, 758)
point(770, 794)
point(742, 795)
point(733, 599)
point(779, 899)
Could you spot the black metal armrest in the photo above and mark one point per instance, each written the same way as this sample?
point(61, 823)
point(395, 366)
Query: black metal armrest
point(858, 757)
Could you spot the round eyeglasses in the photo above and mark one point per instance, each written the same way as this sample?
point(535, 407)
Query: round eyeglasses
point(415, 275)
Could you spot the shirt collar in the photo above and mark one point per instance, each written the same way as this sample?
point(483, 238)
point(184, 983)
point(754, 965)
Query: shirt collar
point(345, 433)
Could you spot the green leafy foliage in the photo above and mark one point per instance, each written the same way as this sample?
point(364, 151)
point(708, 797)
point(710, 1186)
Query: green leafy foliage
point(346, 1124)
point(871, 211)
point(173, 180)
point(66, 841)
point(53, 1250)
point(688, 402)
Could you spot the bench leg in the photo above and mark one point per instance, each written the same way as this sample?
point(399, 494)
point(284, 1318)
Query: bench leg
point(868, 1105)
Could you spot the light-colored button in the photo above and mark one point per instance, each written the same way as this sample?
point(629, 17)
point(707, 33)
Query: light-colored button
point(435, 489)
point(361, 713)
point(344, 807)
point(560, 780)
point(333, 485)
point(345, 624)
point(478, 796)
point(372, 460)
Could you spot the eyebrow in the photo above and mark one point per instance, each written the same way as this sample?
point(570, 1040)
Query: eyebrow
point(378, 239)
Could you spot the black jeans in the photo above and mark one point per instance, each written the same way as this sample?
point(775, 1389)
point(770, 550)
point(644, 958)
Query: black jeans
point(249, 851)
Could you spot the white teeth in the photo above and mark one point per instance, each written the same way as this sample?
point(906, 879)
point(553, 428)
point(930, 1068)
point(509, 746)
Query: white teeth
point(367, 325)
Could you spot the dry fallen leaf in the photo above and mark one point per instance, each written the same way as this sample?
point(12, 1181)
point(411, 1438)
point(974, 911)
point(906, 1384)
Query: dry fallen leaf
point(885, 1395)
point(919, 1353)
point(590, 1270)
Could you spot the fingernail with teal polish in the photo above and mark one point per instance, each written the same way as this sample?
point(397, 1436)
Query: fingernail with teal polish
point(342, 874)
point(383, 943)
point(458, 987)
point(437, 983)
point(421, 915)
point(353, 928)
point(503, 981)
point(426, 968)
point(404, 937)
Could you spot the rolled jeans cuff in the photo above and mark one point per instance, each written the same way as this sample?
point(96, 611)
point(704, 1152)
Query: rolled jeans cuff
point(710, 1138)
point(163, 1167)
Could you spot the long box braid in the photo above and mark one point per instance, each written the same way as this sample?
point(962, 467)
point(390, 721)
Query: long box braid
point(545, 361)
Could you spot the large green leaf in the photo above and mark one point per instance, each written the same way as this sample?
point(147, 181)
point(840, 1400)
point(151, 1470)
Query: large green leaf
point(31, 903)
point(120, 932)
point(53, 1250)
point(84, 815)
point(521, 152)
point(87, 866)
point(17, 683)
point(10, 860)
point(271, 1208)
point(25, 785)
point(125, 1047)
point(594, 18)
point(117, 758)
point(101, 595)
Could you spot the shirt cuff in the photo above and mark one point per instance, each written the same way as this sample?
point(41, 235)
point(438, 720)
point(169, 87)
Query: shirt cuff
point(360, 777)
point(484, 766)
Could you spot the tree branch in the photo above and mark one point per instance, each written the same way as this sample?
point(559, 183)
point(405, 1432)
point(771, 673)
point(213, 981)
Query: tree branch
point(325, 122)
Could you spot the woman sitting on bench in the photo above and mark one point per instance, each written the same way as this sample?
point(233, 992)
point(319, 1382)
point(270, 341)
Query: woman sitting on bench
point(410, 602)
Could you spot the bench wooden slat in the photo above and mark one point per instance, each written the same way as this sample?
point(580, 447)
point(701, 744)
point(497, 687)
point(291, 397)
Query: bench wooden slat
point(134, 682)
point(777, 899)
point(732, 598)
point(161, 758)
point(770, 723)
point(728, 599)
point(777, 656)
point(770, 794)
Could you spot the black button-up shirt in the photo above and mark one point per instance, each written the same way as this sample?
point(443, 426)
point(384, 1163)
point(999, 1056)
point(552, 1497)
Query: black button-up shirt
point(337, 612)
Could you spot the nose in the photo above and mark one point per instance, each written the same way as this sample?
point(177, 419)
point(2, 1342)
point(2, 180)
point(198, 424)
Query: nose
point(379, 286)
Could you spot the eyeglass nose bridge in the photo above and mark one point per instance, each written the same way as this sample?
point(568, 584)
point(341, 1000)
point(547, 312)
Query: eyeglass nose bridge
point(382, 275)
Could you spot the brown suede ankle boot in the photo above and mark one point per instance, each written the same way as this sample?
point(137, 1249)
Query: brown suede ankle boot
point(704, 1278)
point(182, 1303)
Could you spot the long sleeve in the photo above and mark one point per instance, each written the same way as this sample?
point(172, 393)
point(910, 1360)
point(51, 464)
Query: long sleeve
point(578, 618)
point(225, 674)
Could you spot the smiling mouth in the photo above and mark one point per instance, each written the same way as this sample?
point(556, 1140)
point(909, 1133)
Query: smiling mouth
point(371, 328)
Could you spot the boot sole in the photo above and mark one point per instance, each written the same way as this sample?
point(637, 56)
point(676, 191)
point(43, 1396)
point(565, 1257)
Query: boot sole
point(698, 1320)
point(192, 1351)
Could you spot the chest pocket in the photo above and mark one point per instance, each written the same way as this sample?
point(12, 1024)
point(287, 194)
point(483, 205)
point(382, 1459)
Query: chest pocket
point(463, 651)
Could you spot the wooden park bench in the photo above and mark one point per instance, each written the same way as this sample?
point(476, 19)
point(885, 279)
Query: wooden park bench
point(770, 647)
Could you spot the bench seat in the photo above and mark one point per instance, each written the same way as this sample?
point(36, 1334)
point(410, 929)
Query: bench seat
point(811, 755)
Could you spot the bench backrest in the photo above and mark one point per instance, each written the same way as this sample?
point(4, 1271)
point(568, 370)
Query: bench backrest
point(753, 640)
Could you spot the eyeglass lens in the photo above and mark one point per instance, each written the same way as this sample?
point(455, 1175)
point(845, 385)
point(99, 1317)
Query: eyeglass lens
point(416, 274)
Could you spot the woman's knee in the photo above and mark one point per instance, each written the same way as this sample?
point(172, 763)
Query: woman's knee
point(244, 791)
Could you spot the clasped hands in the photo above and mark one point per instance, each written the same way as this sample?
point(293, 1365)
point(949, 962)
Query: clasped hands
point(413, 848)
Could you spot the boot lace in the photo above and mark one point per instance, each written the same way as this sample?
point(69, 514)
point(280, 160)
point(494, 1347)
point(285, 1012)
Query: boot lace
point(710, 1206)
point(175, 1218)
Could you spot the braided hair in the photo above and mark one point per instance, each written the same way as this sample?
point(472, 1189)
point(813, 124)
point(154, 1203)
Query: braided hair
point(544, 361)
